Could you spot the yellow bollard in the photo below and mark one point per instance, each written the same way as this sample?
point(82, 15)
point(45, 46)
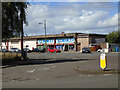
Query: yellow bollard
point(103, 60)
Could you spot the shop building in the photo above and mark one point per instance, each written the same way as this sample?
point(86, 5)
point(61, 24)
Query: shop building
point(60, 41)
point(64, 41)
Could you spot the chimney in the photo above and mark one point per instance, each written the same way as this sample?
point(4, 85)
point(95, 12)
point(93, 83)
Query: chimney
point(63, 33)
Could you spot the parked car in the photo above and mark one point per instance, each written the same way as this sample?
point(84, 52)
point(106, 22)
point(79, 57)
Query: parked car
point(4, 50)
point(38, 50)
point(54, 50)
point(99, 50)
point(94, 47)
point(27, 49)
point(15, 50)
point(86, 50)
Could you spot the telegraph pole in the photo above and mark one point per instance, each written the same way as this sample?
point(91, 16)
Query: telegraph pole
point(45, 34)
point(44, 22)
point(21, 27)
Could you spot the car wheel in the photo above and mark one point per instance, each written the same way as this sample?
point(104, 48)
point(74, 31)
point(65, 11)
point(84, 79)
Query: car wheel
point(48, 51)
point(54, 51)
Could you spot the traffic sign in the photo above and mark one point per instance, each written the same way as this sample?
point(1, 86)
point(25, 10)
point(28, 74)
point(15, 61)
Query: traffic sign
point(103, 61)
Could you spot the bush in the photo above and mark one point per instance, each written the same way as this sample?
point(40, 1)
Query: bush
point(10, 57)
point(113, 37)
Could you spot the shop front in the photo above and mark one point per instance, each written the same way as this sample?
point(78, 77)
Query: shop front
point(41, 43)
point(65, 44)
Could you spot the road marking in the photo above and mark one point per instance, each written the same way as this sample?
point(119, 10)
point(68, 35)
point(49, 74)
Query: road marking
point(107, 74)
point(90, 75)
point(44, 69)
point(31, 71)
point(53, 66)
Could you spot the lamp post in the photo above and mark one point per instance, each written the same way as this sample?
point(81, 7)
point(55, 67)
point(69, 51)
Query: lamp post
point(45, 33)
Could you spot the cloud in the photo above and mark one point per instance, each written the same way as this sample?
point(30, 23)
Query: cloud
point(69, 0)
point(70, 17)
point(110, 22)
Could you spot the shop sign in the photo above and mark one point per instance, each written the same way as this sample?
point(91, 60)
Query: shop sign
point(49, 41)
point(65, 40)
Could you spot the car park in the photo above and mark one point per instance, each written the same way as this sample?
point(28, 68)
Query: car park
point(86, 50)
point(54, 50)
point(15, 50)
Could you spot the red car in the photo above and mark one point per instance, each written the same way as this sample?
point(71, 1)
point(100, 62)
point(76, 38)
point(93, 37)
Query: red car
point(54, 50)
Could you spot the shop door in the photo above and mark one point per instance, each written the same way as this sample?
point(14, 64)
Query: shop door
point(78, 47)
point(66, 47)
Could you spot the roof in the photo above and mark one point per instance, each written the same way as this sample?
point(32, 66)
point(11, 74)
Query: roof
point(57, 35)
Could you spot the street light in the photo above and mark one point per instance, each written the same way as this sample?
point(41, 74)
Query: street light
point(45, 33)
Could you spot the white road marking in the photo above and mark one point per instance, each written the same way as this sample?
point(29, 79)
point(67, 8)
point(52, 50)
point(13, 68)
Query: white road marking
point(31, 71)
point(107, 74)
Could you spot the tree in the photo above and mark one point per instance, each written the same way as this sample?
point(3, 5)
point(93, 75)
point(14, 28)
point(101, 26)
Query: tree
point(13, 15)
point(113, 37)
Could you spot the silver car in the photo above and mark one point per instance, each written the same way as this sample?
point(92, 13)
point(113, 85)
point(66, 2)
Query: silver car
point(15, 50)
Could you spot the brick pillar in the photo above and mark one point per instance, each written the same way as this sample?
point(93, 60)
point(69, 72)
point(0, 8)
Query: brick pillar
point(75, 45)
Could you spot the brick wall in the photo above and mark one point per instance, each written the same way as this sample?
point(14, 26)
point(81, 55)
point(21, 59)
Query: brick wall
point(84, 42)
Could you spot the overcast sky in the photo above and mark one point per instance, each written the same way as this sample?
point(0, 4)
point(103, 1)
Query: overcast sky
point(70, 17)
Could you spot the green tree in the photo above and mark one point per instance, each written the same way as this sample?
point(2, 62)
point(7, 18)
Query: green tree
point(13, 15)
point(113, 37)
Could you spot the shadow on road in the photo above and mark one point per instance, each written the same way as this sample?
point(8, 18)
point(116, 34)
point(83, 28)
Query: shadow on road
point(40, 61)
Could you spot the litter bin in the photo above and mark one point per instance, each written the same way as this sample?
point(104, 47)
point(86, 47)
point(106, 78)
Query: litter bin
point(119, 49)
point(113, 49)
point(116, 49)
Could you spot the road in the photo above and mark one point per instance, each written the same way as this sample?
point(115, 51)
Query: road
point(58, 72)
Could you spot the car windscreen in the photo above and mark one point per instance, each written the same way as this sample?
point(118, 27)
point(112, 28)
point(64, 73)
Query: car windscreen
point(85, 48)
point(51, 48)
point(36, 49)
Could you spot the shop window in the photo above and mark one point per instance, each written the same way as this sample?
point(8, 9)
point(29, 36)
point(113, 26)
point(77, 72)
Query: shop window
point(93, 40)
point(59, 47)
point(14, 42)
point(71, 47)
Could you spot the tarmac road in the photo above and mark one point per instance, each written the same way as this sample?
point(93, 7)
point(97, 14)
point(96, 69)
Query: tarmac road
point(79, 81)
point(58, 72)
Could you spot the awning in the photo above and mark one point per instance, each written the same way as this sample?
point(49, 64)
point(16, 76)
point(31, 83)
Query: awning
point(39, 44)
point(50, 44)
point(70, 43)
point(59, 44)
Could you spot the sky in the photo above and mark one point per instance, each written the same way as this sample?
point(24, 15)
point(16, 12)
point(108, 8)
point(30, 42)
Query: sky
point(71, 17)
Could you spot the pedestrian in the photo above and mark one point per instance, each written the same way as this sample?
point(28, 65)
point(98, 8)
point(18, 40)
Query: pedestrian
point(63, 48)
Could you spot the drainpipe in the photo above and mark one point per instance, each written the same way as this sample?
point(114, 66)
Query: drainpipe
point(54, 42)
point(75, 37)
